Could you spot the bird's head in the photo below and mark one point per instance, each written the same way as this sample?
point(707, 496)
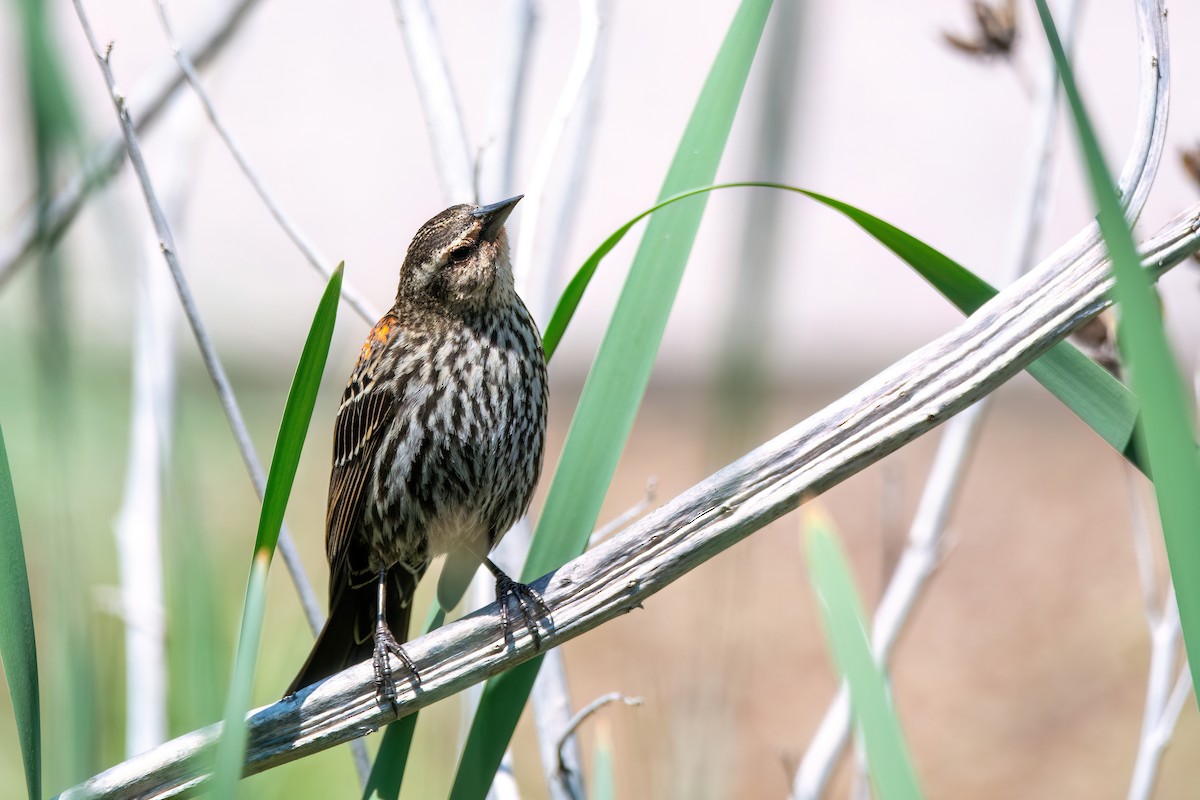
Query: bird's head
point(459, 259)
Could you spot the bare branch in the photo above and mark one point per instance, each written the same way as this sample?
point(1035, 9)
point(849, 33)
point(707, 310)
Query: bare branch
point(898, 405)
point(1143, 550)
point(494, 165)
point(587, 711)
point(106, 158)
point(627, 516)
point(139, 522)
point(447, 134)
point(551, 702)
point(1158, 718)
point(1175, 704)
point(212, 362)
point(320, 263)
point(536, 283)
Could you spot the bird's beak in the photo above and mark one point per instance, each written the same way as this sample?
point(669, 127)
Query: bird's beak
point(493, 216)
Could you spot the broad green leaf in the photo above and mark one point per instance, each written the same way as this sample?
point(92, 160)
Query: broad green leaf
point(18, 647)
point(618, 378)
point(845, 626)
point(297, 413)
point(1165, 436)
point(1099, 399)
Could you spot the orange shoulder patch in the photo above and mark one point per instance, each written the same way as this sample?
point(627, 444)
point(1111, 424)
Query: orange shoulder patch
point(378, 337)
point(380, 332)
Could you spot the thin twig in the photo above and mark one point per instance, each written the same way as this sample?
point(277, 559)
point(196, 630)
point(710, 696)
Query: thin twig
point(1162, 684)
point(627, 516)
point(496, 160)
point(565, 189)
point(587, 711)
point(320, 263)
point(921, 557)
point(1143, 551)
point(492, 180)
point(139, 522)
point(551, 705)
point(102, 163)
point(447, 135)
point(212, 363)
point(536, 286)
point(874, 420)
point(1174, 707)
point(1163, 700)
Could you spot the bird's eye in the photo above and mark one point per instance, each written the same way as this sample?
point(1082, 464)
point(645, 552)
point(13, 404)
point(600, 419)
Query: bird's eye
point(461, 254)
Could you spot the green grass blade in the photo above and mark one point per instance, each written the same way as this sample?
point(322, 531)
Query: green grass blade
point(18, 647)
point(1095, 396)
point(293, 428)
point(387, 772)
point(603, 783)
point(200, 653)
point(297, 414)
point(618, 377)
point(1165, 435)
point(845, 626)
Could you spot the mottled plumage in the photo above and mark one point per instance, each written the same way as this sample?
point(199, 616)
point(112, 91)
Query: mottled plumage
point(438, 440)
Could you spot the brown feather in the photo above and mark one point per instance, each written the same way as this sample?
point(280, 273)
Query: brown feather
point(438, 440)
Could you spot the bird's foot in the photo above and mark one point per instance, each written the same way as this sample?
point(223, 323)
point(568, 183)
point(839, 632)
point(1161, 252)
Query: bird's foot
point(529, 604)
point(385, 681)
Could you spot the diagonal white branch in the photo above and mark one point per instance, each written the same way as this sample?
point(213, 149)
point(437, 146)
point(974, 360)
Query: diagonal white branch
point(320, 263)
point(208, 353)
point(898, 405)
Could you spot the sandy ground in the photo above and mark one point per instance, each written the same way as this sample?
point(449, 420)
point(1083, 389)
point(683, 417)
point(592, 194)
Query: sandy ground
point(1022, 674)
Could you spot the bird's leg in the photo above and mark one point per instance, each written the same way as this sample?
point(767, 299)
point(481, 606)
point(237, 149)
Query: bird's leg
point(385, 642)
point(529, 603)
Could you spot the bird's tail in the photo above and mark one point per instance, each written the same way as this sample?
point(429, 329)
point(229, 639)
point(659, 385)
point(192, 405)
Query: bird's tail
point(349, 634)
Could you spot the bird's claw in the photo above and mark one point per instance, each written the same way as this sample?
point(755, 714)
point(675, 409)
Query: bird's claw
point(529, 603)
point(385, 681)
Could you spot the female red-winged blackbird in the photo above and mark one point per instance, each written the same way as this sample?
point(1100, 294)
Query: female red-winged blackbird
point(437, 444)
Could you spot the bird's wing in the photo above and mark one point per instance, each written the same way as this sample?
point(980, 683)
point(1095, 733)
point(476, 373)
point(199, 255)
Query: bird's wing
point(365, 412)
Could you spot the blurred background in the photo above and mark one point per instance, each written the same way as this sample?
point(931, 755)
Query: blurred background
point(1024, 670)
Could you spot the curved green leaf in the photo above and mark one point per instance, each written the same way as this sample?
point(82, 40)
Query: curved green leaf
point(1099, 399)
point(1165, 434)
point(18, 645)
point(1094, 395)
point(297, 413)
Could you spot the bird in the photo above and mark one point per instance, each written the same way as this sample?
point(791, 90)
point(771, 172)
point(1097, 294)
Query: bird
point(437, 445)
